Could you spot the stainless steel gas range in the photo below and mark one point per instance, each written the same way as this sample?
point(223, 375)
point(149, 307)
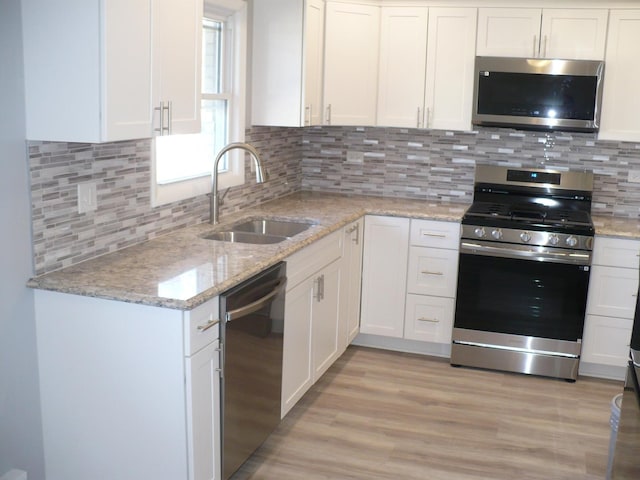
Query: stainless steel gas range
point(525, 256)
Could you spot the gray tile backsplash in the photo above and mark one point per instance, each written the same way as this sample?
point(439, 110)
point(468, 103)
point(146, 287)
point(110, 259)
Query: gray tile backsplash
point(407, 163)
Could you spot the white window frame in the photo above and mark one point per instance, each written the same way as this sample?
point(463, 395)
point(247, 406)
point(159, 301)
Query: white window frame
point(234, 14)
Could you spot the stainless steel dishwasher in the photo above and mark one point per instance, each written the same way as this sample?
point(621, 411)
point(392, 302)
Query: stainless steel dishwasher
point(251, 336)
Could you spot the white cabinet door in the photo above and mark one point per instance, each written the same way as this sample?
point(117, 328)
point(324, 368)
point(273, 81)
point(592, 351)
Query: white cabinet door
point(620, 101)
point(351, 280)
point(326, 318)
point(612, 291)
point(403, 55)
point(450, 65)
point(384, 275)
point(177, 59)
point(297, 372)
point(351, 63)
point(87, 70)
point(429, 319)
point(432, 271)
point(606, 340)
point(203, 413)
point(573, 33)
point(508, 32)
point(288, 47)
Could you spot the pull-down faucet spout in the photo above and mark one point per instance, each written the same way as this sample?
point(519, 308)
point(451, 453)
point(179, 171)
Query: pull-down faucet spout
point(261, 174)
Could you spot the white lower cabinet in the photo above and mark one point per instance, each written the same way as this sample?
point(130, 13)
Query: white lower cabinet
point(410, 269)
point(613, 287)
point(130, 382)
point(312, 317)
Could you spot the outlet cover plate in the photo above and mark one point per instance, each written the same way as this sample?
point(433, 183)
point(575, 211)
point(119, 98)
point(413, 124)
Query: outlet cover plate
point(355, 157)
point(87, 197)
point(634, 176)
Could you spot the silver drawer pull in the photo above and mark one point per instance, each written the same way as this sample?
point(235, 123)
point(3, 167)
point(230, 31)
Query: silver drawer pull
point(427, 272)
point(437, 235)
point(208, 325)
point(430, 320)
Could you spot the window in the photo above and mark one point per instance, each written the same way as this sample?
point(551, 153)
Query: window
point(182, 164)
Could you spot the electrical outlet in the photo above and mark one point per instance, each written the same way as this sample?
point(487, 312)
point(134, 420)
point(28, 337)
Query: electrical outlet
point(355, 157)
point(634, 176)
point(87, 197)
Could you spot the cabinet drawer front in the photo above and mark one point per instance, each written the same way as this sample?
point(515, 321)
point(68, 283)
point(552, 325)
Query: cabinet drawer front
point(309, 260)
point(606, 340)
point(200, 327)
point(432, 271)
point(616, 252)
point(429, 319)
point(612, 291)
point(430, 233)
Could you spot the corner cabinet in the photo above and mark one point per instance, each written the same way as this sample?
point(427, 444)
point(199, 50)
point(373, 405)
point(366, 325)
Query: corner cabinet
point(96, 70)
point(288, 47)
point(578, 33)
point(351, 63)
point(130, 382)
point(611, 303)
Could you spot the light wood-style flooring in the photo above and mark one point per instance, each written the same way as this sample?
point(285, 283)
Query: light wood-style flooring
point(386, 415)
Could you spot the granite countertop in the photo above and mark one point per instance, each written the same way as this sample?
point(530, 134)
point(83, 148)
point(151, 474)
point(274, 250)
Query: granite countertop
point(617, 227)
point(182, 270)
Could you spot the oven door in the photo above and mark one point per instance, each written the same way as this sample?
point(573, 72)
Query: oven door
point(521, 295)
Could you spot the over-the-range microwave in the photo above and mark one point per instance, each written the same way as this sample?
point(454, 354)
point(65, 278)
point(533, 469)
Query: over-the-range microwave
point(538, 93)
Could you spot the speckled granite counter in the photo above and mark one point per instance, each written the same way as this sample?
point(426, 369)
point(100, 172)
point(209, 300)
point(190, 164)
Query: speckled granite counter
point(617, 227)
point(183, 270)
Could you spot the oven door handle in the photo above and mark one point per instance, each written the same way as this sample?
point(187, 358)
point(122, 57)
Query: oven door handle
point(526, 252)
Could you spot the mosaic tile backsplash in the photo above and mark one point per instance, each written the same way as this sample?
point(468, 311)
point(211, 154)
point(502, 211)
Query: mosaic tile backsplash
point(406, 163)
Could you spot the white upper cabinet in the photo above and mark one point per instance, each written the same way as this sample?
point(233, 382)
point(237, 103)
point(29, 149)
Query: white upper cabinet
point(550, 33)
point(87, 69)
point(403, 57)
point(177, 65)
point(620, 99)
point(288, 46)
point(95, 69)
point(351, 63)
point(450, 62)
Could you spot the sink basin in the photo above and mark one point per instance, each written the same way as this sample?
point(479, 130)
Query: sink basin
point(281, 228)
point(244, 237)
point(260, 231)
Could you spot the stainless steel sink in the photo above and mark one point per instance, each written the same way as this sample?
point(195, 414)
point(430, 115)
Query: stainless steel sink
point(282, 228)
point(244, 237)
point(261, 231)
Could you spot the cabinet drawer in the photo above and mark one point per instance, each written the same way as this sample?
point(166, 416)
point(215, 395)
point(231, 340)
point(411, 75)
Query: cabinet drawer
point(306, 262)
point(612, 291)
point(616, 252)
point(431, 233)
point(429, 319)
point(606, 340)
point(432, 271)
point(197, 332)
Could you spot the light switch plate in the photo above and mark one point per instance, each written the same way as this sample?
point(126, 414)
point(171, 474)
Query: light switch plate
point(87, 197)
point(634, 176)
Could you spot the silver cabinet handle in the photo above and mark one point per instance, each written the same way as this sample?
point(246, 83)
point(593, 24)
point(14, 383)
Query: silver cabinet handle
point(316, 286)
point(436, 235)
point(430, 320)
point(328, 114)
point(208, 325)
point(220, 351)
point(427, 272)
point(418, 119)
point(307, 121)
point(354, 228)
point(164, 127)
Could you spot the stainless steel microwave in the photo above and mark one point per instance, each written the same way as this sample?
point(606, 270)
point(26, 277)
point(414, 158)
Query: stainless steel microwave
point(538, 93)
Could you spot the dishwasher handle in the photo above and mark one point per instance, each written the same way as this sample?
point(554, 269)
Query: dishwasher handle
point(258, 304)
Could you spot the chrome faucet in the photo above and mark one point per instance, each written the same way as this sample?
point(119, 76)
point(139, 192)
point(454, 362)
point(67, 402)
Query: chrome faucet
point(261, 174)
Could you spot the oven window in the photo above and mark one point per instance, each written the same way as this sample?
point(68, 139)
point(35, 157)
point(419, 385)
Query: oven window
point(521, 297)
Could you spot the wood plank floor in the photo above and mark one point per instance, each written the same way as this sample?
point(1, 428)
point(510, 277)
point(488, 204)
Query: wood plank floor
point(385, 415)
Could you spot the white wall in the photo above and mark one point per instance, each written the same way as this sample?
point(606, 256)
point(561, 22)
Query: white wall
point(20, 427)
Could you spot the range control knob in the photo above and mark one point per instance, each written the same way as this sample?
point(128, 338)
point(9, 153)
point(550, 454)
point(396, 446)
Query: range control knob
point(553, 239)
point(572, 241)
point(497, 234)
point(479, 231)
point(525, 237)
